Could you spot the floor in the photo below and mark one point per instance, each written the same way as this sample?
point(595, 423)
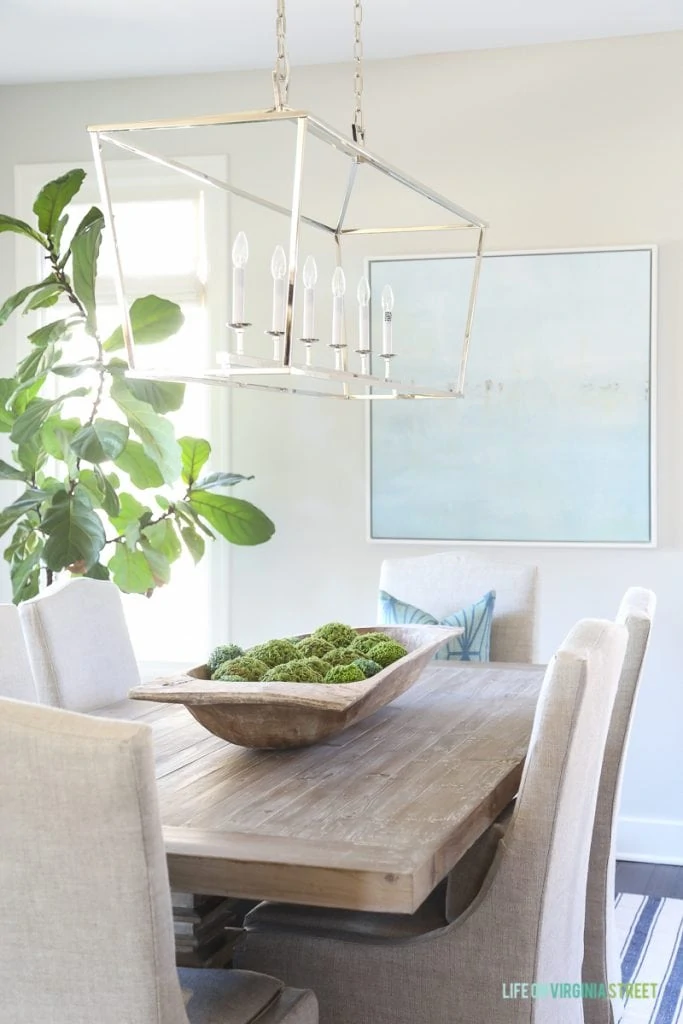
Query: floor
point(650, 879)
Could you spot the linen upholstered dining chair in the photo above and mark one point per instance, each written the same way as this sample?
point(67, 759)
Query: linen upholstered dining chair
point(601, 955)
point(444, 583)
point(78, 645)
point(86, 933)
point(527, 921)
point(601, 959)
point(16, 677)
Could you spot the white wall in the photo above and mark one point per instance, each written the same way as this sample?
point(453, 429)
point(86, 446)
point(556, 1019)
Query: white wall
point(565, 145)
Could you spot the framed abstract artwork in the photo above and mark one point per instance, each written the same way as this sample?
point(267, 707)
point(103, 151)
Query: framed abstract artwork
point(553, 443)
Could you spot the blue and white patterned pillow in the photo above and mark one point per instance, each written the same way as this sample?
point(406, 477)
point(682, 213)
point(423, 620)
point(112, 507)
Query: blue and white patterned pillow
point(473, 645)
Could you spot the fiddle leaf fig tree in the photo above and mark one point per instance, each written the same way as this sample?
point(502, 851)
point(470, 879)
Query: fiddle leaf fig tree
point(108, 490)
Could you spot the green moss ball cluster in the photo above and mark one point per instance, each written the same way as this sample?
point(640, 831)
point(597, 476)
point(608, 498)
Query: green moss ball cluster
point(247, 668)
point(345, 674)
point(386, 652)
point(336, 633)
point(313, 647)
point(226, 652)
point(274, 652)
point(365, 641)
point(334, 653)
point(341, 656)
point(292, 672)
point(367, 666)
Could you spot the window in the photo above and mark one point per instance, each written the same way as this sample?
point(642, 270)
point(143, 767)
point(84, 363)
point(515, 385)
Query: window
point(173, 242)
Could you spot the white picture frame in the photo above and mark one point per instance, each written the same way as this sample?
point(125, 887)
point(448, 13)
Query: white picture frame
point(643, 267)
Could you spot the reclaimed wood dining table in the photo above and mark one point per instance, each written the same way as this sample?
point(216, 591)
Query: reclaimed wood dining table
point(371, 819)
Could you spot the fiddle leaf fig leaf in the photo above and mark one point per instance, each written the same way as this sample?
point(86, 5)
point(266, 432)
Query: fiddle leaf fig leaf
point(130, 571)
point(58, 330)
point(32, 498)
point(194, 542)
point(36, 413)
point(194, 452)
point(8, 472)
point(155, 432)
point(215, 480)
point(163, 396)
point(20, 227)
point(152, 319)
point(74, 531)
point(163, 538)
point(85, 249)
point(142, 471)
point(56, 434)
point(48, 295)
point(238, 521)
point(16, 300)
point(100, 441)
point(52, 199)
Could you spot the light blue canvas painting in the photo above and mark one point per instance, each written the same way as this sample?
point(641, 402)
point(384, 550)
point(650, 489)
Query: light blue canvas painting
point(552, 440)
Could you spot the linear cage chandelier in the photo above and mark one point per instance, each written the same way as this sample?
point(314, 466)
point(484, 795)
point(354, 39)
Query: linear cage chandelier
point(283, 353)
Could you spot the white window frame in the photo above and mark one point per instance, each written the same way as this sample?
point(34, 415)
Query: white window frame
point(137, 180)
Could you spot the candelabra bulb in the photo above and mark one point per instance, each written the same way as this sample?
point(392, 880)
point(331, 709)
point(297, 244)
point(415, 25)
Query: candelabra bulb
point(240, 250)
point(310, 272)
point(387, 299)
point(338, 283)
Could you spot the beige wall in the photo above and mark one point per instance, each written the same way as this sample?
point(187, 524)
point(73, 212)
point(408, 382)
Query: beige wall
point(558, 146)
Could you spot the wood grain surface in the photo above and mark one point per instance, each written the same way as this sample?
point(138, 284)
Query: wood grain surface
point(371, 819)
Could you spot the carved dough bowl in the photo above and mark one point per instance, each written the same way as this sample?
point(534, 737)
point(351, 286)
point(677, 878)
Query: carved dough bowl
point(276, 716)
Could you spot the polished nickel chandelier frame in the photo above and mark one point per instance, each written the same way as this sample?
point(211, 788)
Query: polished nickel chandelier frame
point(286, 372)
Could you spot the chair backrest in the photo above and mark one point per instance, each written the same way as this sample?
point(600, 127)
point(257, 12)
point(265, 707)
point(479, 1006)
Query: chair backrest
point(636, 613)
point(446, 582)
point(78, 644)
point(16, 677)
point(87, 930)
point(536, 888)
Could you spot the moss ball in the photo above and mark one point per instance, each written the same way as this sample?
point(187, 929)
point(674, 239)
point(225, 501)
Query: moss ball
point(247, 668)
point(340, 656)
point(338, 634)
point(292, 672)
point(317, 664)
point(367, 666)
point(274, 652)
point(223, 653)
point(345, 674)
point(365, 641)
point(313, 647)
point(227, 678)
point(387, 652)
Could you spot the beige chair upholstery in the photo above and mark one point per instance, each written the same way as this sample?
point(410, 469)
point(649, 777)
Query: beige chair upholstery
point(16, 677)
point(601, 957)
point(78, 644)
point(527, 921)
point(87, 934)
point(446, 582)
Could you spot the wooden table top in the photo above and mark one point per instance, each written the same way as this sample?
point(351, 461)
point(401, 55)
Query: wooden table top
point(371, 819)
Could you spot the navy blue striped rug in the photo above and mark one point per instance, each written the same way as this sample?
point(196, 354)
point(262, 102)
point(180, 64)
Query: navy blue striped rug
point(650, 934)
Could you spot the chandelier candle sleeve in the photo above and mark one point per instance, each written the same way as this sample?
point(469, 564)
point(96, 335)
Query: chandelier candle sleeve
point(363, 295)
point(310, 276)
point(240, 255)
point(278, 268)
point(388, 311)
point(338, 289)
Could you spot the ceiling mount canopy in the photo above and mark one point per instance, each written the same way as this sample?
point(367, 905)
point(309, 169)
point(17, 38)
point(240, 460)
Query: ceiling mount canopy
point(329, 211)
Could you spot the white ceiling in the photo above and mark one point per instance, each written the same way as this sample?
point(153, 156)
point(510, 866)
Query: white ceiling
point(75, 40)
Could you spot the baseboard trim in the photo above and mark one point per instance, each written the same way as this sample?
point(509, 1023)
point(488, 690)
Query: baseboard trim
point(650, 840)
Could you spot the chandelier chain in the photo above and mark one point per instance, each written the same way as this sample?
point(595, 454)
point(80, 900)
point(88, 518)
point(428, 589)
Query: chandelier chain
point(281, 69)
point(358, 123)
